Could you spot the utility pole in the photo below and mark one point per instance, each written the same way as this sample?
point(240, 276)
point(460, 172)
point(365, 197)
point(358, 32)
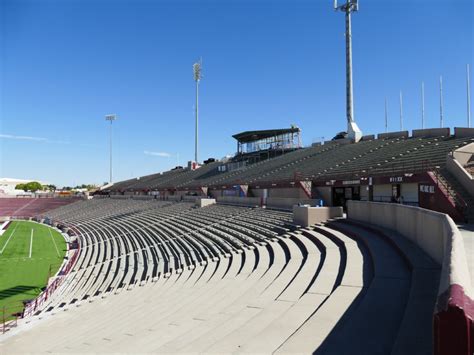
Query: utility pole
point(111, 118)
point(352, 129)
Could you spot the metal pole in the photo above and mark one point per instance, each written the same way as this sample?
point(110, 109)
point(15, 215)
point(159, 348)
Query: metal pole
point(468, 98)
point(401, 111)
point(110, 179)
point(386, 116)
point(441, 101)
point(197, 118)
point(110, 118)
point(422, 105)
point(349, 90)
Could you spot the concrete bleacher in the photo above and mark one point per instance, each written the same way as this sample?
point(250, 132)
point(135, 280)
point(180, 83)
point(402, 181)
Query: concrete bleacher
point(156, 276)
point(29, 207)
point(391, 153)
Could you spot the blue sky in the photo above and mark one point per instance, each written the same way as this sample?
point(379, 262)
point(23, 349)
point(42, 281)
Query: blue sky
point(267, 64)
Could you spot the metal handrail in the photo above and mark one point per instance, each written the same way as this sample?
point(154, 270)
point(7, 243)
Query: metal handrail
point(459, 202)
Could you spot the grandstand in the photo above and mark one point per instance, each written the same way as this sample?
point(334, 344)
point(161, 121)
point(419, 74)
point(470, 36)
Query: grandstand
point(363, 244)
point(394, 165)
point(229, 279)
point(27, 207)
point(154, 264)
point(167, 277)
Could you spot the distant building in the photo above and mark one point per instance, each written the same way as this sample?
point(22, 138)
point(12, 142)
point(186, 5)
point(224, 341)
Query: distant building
point(7, 186)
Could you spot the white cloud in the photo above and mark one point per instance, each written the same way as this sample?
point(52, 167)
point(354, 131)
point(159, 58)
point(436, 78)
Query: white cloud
point(23, 138)
point(158, 154)
point(31, 139)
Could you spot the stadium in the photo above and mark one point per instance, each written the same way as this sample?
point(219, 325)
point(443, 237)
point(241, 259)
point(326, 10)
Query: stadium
point(362, 244)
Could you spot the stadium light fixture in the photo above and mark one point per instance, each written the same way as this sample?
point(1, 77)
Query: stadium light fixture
point(352, 129)
point(110, 118)
point(386, 116)
point(197, 70)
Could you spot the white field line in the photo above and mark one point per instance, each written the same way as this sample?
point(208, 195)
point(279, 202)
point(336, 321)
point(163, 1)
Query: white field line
point(51, 234)
point(31, 242)
point(11, 235)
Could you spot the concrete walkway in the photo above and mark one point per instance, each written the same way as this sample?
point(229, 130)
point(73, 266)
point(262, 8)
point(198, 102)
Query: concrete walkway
point(467, 231)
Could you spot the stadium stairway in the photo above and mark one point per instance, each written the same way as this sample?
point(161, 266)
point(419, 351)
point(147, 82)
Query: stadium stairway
point(455, 187)
point(334, 288)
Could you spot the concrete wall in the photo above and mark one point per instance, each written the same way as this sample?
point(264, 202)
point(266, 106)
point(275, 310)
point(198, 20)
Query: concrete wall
point(191, 198)
point(203, 202)
point(239, 201)
point(439, 237)
point(288, 203)
point(461, 132)
point(431, 132)
point(434, 232)
point(393, 135)
point(284, 192)
point(455, 166)
point(307, 216)
point(464, 154)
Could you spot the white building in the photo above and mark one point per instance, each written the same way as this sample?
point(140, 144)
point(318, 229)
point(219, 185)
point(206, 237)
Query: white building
point(7, 186)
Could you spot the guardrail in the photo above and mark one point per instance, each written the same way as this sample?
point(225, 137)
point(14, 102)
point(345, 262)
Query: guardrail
point(34, 305)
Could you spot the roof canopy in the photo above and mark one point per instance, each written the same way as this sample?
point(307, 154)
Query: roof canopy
point(251, 136)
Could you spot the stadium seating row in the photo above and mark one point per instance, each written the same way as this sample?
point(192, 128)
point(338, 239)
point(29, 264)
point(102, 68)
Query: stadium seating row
point(30, 207)
point(329, 161)
point(225, 279)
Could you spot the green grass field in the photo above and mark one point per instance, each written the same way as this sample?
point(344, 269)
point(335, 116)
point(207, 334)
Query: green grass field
point(29, 252)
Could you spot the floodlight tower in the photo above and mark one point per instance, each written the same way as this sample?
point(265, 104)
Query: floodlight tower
point(352, 129)
point(110, 118)
point(197, 68)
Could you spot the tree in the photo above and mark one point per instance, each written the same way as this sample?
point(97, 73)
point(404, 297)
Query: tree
point(33, 186)
point(20, 187)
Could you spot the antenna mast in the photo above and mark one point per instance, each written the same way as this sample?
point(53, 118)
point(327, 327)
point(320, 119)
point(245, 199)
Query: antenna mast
point(441, 101)
point(401, 111)
point(197, 67)
point(352, 129)
point(422, 105)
